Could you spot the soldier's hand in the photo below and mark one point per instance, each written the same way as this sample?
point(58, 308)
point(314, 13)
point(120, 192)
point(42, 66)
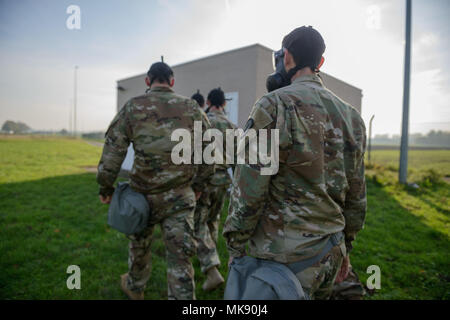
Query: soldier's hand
point(230, 260)
point(343, 273)
point(197, 195)
point(105, 200)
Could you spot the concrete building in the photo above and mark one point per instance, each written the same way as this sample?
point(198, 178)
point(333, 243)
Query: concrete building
point(241, 73)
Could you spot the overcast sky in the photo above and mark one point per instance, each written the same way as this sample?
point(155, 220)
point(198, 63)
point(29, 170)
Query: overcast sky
point(117, 39)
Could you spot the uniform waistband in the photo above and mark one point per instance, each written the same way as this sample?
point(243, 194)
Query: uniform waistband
point(158, 190)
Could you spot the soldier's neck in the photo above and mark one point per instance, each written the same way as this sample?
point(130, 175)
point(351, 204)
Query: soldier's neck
point(302, 72)
point(159, 85)
point(214, 108)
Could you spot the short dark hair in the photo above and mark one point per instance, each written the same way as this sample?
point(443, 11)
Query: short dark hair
point(306, 46)
point(161, 72)
point(216, 97)
point(199, 98)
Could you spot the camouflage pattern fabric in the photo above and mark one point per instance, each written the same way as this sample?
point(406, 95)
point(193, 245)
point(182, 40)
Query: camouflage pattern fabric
point(217, 196)
point(349, 289)
point(319, 188)
point(219, 121)
point(221, 180)
point(209, 206)
point(206, 245)
point(175, 212)
point(317, 281)
point(148, 121)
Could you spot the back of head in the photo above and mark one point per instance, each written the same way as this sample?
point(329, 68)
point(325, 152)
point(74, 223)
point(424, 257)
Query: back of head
point(306, 46)
point(160, 72)
point(216, 97)
point(199, 98)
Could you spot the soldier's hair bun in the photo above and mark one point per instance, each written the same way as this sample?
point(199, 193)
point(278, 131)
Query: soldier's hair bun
point(160, 71)
point(216, 97)
point(199, 98)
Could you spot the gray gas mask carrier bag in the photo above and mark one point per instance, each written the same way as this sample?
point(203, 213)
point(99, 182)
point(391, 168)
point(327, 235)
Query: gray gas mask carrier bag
point(129, 210)
point(257, 279)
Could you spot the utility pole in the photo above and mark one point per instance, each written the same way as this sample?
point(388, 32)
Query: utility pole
point(370, 136)
point(70, 117)
point(75, 102)
point(402, 174)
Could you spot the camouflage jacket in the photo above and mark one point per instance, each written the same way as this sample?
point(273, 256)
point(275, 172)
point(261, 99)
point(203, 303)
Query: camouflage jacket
point(220, 121)
point(319, 188)
point(148, 122)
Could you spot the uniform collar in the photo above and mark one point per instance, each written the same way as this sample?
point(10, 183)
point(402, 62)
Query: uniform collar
point(161, 89)
point(309, 78)
point(217, 111)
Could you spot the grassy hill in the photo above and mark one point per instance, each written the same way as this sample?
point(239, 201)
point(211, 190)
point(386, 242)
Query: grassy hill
point(51, 218)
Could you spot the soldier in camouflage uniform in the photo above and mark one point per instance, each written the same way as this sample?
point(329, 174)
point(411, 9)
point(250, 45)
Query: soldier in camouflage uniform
point(198, 97)
point(221, 180)
point(319, 189)
point(148, 121)
point(209, 206)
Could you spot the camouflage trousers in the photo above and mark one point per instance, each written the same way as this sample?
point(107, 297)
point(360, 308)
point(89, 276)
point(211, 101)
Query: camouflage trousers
point(217, 198)
point(174, 211)
point(207, 219)
point(317, 281)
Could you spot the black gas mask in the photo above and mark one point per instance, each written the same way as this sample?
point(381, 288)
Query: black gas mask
point(279, 78)
point(306, 46)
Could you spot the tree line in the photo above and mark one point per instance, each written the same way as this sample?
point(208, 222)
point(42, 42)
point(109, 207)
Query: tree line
point(431, 139)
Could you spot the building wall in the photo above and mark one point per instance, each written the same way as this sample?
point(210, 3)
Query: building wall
point(265, 67)
point(242, 70)
point(345, 91)
point(132, 87)
point(233, 71)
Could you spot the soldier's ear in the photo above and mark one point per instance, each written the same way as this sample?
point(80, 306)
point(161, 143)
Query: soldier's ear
point(172, 82)
point(147, 81)
point(288, 60)
point(322, 60)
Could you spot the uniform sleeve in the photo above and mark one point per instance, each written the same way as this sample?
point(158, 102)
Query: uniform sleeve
point(250, 187)
point(204, 171)
point(235, 140)
point(117, 140)
point(231, 126)
point(356, 201)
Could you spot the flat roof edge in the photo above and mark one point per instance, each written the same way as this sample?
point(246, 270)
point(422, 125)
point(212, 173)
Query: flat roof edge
point(127, 78)
point(207, 57)
point(344, 82)
point(231, 51)
point(222, 53)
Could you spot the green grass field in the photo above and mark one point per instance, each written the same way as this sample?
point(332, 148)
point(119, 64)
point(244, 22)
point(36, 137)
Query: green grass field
point(50, 218)
point(419, 162)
